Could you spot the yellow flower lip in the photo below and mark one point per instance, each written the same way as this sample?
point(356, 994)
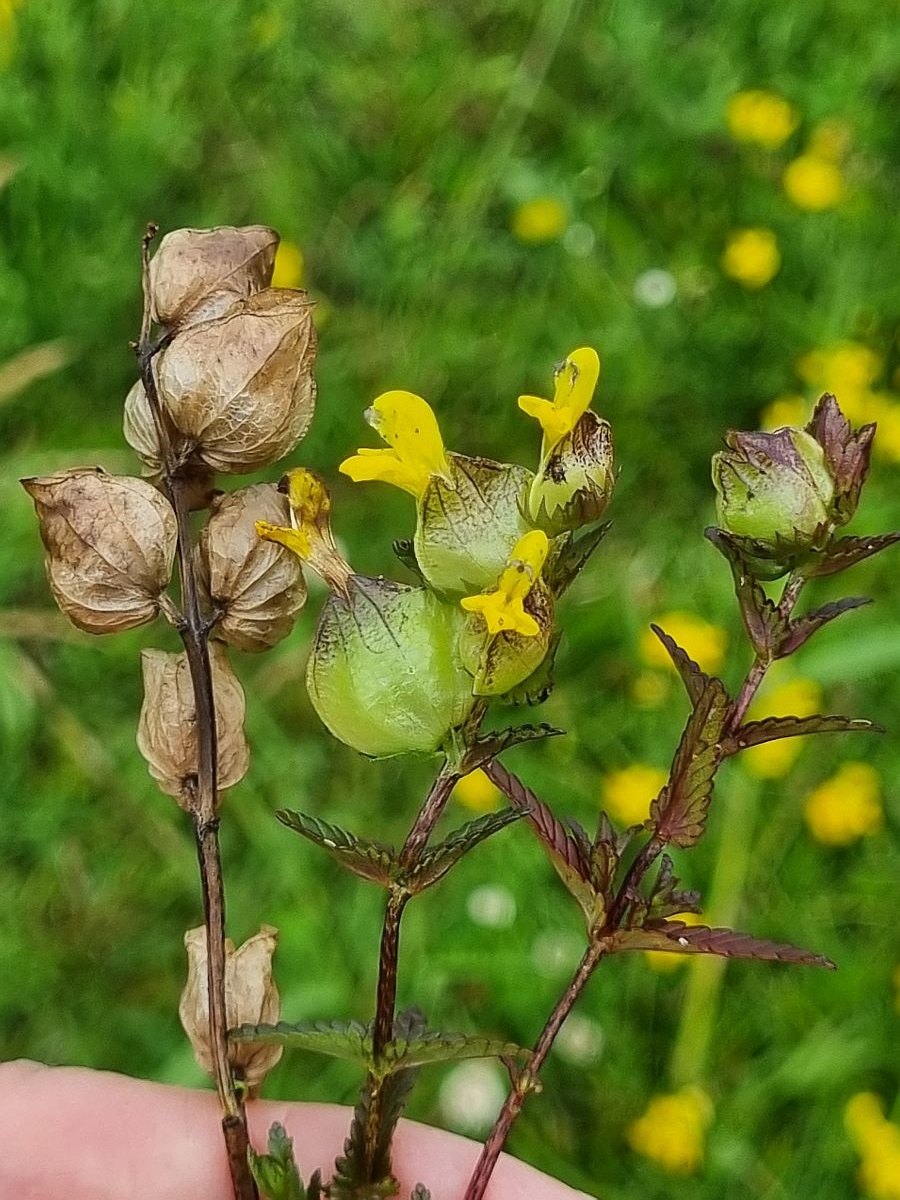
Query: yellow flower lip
point(309, 536)
point(415, 448)
point(575, 381)
point(502, 609)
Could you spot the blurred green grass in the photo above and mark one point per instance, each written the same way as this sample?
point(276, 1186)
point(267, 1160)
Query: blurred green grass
point(393, 143)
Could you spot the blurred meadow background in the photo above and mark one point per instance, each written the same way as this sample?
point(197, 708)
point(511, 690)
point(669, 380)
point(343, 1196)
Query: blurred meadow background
point(707, 194)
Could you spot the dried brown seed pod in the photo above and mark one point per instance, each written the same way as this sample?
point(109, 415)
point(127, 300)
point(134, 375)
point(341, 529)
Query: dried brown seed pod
point(198, 274)
point(167, 729)
point(240, 389)
point(257, 585)
point(141, 434)
point(110, 543)
point(251, 998)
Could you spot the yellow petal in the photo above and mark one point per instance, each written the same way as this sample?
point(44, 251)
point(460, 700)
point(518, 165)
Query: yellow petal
point(416, 450)
point(502, 614)
point(310, 537)
point(502, 609)
point(575, 381)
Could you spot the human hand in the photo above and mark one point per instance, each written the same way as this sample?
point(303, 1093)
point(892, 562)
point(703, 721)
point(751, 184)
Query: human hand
point(67, 1133)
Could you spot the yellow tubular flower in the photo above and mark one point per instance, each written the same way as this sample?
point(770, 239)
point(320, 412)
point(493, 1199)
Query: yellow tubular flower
point(576, 378)
point(503, 609)
point(309, 536)
point(415, 447)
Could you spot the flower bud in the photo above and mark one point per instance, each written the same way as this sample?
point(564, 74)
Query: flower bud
point(198, 274)
point(468, 521)
point(257, 585)
point(509, 630)
point(775, 491)
point(167, 728)
point(384, 671)
point(575, 481)
point(239, 389)
point(110, 544)
point(251, 998)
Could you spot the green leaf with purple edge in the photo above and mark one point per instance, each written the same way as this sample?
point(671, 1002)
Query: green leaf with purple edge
point(677, 938)
point(487, 748)
point(680, 810)
point(435, 861)
point(801, 629)
point(762, 620)
point(572, 559)
point(846, 552)
point(772, 729)
point(666, 897)
point(370, 860)
point(693, 678)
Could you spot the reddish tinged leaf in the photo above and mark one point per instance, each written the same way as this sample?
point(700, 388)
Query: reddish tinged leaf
point(679, 812)
point(693, 678)
point(365, 858)
point(764, 623)
point(487, 748)
point(848, 551)
point(846, 453)
point(435, 861)
point(678, 938)
point(801, 629)
point(774, 728)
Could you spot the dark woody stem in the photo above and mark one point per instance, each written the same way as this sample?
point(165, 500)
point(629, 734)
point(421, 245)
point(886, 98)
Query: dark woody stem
point(526, 1080)
point(194, 631)
point(386, 997)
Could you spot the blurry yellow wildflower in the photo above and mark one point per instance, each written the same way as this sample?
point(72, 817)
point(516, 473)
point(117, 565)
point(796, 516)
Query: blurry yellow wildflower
point(887, 413)
point(704, 643)
point(845, 807)
point(542, 219)
point(752, 257)
point(844, 366)
point(813, 183)
point(664, 962)
point(830, 139)
point(793, 698)
point(7, 29)
point(288, 271)
point(265, 29)
point(416, 451)
point(790, 409)
point(627, 793)
point(575, 381)
point(649, 689)
point(477, 792)
point(877, 1142)
point(503, 609)
point(761, 117)
point(672, 1131)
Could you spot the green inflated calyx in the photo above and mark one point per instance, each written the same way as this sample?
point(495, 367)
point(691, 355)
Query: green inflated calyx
point(385, 673)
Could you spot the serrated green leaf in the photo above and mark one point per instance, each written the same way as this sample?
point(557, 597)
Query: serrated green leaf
point(679, 812)
point(370, 860)
point(485, 749)
point(754, 733)
point(801, 629)
point(573, 557)
point(349, 1040)
point(448, 1047)
point(763, 621)
point(692, 677)
point(276, 1173)
point(848, 551)
point(436, 861)
point(678, 938)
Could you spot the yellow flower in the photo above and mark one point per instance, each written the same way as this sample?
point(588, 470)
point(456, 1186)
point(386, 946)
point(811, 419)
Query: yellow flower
point(477, 792)
point(761, 117)
point(575, 380)
point(704, 643)
point(794, 698)
point(672, 1131)
point(503, 609)
point(627, 793)
point(288, 271)
point(650, 689)
point(845, 807)
point(664, 962)
point(416, 450)
point(813, 183)
point(877, 1142)
point(309, 535)
point(540, 220)
point(752, 257)
point(845, 366)
point(787, 410)
point(830, 139)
